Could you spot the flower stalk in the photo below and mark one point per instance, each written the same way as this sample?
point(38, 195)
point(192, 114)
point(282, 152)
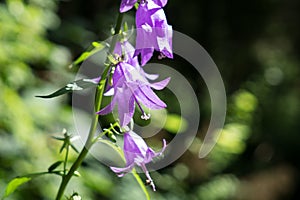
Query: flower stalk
point(98, 100)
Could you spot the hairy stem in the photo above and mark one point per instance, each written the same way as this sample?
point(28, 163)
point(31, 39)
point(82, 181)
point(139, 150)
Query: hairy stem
point(93, 127)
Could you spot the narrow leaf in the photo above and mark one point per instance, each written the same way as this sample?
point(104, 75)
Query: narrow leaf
point(97, 47)
point(58, 138)
point(65, 145)
point(54, 166)
point(82, 57)
point(74, 148)
point(76, 85)
point(14, 184)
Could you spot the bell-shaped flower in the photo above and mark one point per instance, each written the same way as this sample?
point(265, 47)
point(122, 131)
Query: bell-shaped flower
point(128, 4)
point(137, 152)
point(130, 87)
point(153, 32)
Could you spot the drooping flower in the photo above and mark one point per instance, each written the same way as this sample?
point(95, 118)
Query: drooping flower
point(130, 87)
point(128, 4)
point(137, 152)
point(153, 31)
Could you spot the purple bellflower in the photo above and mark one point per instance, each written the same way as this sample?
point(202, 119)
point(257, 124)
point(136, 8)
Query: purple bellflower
point(128, 4)
point(153, 31)
point(137, 152)
point(130, 87)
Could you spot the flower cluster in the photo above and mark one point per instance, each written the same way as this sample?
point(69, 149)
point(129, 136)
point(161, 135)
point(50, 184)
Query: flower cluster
point(130, 85)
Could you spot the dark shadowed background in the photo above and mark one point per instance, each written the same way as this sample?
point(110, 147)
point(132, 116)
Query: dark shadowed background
point(255, 45)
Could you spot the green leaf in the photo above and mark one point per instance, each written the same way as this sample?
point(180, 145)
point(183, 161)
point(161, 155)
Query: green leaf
point(54, 166)
point(76, 85)
point(14, 184)
point(74, 148)
point(64, 146)
point(97, 47)
point(58, 138)
point(82, 57)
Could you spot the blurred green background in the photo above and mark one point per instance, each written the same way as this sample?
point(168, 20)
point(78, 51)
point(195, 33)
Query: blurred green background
point(255, 44)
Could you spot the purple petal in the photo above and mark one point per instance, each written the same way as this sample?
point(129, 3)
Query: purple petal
point(152, 5)
point(121, 171)
point(127, 5)
point(125, 106)
point(146, 54)
point(134, 146)
point(161, 84)
point(137, 141)
point(151, 77)
point(118, 48)
point(108, 108)
point(147, 97)
point(165, 43)
point(128, 50)
point(96, 80)
point(153, 31)
point(118, 77)
point(163, 148)
point(161, 3)
point(150, 154)
point(144, 13)
point(126, 71)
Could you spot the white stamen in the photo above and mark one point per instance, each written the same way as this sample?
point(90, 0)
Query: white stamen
point(145, 116)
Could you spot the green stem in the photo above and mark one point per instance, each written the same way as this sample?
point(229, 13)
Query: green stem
point(66, 159)
point(141, 183)
point(98, 101)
